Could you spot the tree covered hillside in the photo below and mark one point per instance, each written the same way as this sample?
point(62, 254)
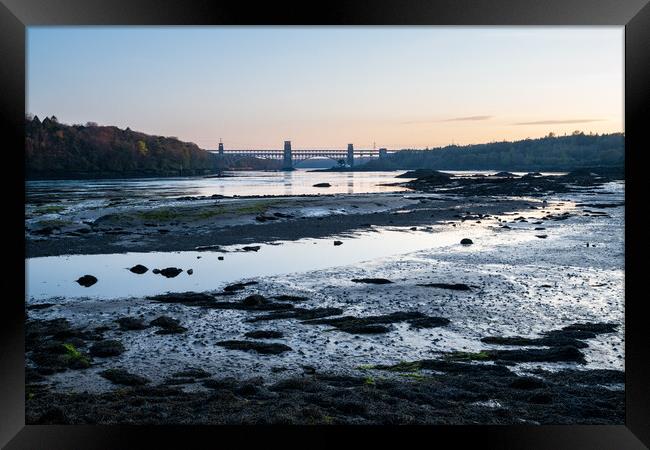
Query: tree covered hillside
point(550, 153)
point(55, 150)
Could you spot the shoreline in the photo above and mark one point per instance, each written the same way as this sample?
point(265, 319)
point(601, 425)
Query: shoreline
point(111, 236)
point(435, 345)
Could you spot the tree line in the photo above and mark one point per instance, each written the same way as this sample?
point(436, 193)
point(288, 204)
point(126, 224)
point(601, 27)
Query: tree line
point(53, 150)
point(550, 153)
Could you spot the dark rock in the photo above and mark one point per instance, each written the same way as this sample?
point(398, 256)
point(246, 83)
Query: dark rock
point(168, 325)
point(121, 376)
point(597, 328)
point(253, 304)
point(220, 258)
point(428, 322)
point(377, 324)
point(553, 354)
point(466, 241)
point(131, 323)
point(87, 280)
point(372, 280)
point(548, 341)
point(139, 269)
point(322, 185)
point(299, 313)
point(40, 306)
point(238, 286)
point(289, 298)
point(541, 236)
point(191, 373)
point(190, 271)
point(170, 272)
point(107, 348)
point(541, 398)
point(264, 334)
point(429, 174)
point(251, 248)
point(338, 243)
point(206, 247)
point(254, 300)
point(283, 216)
point(156, 271)
point(528, 383)
point(185, 298)
point(259, 347)
point(454, 287)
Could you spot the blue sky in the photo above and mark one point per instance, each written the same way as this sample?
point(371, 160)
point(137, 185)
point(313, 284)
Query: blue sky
point(326, 86)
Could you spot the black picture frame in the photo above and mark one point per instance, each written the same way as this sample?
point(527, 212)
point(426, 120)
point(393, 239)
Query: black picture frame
point(16, 15)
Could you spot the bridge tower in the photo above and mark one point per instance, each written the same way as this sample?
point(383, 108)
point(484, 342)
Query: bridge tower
point(220, 147)
point(287, 160)
point(350, 159)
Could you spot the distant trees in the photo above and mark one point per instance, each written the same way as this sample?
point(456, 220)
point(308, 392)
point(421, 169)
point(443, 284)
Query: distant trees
point(547, 153)
point(57, 150)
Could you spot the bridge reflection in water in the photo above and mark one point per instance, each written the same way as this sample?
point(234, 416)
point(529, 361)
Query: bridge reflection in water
point(289, 156)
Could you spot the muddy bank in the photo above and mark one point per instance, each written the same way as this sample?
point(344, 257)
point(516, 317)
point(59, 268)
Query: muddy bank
point(192, 227)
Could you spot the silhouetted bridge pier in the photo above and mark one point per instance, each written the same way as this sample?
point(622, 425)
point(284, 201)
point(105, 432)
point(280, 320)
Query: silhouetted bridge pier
point(288, 156)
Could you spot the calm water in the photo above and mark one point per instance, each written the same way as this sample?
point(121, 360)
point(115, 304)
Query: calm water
point(298, 182)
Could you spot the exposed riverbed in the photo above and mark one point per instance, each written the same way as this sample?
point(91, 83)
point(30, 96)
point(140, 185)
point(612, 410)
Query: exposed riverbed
point(535, 265)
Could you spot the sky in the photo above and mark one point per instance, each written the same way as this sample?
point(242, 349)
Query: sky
point(325, 87)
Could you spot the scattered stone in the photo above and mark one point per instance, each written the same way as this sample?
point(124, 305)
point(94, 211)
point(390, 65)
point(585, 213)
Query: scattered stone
point(372, 280)
point(190, 271)
point(220, 258)
point(131, 323)
point(259, 347)
point(289, 298)
point(552, 354)
point(40, 306)
point(168, 325)
point(191, 373)
point(139, 269)
point(238, 286)
point(121, 376)
point(541, 236)
point(185, 298)
point(466, 241)
point(254, 300)
point(251, 248)
point(338, 243)
point(528, 383)
point(87, 280)
point(283, 216)
point(107, 348)
point(322, 185)
point(377, 324)
point(206, 247)
point(454, 287)
point(264, 334)
point(300, 314)
point(169, 272)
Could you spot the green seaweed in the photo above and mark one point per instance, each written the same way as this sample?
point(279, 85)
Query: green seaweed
point(404, 366)
point(73, 355)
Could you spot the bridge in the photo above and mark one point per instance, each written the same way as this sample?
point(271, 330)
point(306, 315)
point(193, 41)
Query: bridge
point(288, 156)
